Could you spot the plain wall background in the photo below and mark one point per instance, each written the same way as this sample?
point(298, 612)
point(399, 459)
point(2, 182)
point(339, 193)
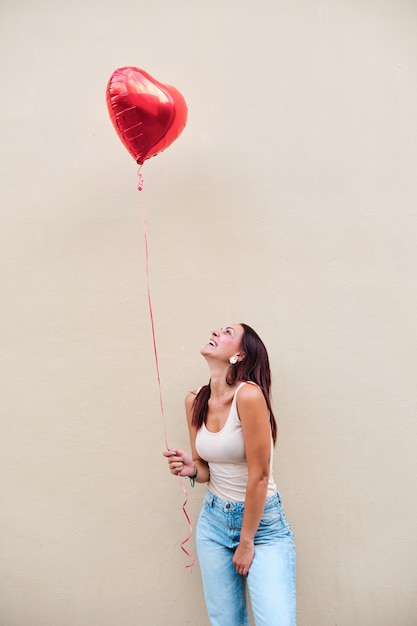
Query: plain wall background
point(289, 203)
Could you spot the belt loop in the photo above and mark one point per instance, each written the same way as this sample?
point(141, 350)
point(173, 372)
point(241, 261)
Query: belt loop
point(210, 499)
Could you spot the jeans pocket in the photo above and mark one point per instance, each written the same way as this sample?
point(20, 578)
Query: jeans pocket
point(273, 526)
point(271, 517)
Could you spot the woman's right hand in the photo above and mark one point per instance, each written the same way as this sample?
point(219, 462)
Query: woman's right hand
point(180, 463)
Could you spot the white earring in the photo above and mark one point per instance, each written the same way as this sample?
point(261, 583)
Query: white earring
point(233, 360)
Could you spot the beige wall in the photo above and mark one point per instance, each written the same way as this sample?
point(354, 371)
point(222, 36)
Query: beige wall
point(289, 203)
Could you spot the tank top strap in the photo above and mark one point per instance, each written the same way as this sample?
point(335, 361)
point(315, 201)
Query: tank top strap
point(244, 382)
point(234, 401)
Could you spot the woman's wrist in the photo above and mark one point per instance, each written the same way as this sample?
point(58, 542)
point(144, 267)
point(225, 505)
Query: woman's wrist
point(194, 475)
point(246, 540)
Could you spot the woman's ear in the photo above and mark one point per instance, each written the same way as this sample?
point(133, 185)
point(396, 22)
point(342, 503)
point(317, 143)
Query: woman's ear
point(237, 358)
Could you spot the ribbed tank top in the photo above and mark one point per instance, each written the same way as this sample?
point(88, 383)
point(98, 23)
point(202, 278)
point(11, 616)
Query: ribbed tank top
point(225, 454)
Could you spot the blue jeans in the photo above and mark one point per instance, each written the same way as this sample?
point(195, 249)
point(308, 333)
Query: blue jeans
point(271, 578)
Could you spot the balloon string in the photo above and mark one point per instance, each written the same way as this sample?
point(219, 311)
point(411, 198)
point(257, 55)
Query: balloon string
point(155, 350)
point(187, 517)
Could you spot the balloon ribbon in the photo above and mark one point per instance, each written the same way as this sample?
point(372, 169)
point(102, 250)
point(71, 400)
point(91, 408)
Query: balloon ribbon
point(155, 350)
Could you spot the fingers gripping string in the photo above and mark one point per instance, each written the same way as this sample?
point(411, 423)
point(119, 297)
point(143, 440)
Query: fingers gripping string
point(161, 403)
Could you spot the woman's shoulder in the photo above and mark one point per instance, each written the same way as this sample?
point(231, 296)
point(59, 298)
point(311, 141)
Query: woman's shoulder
point(249, 391)
point(250, 401)
point(191, 396)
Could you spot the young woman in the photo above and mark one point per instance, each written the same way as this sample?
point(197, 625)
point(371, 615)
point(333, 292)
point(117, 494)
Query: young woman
point(242, 535)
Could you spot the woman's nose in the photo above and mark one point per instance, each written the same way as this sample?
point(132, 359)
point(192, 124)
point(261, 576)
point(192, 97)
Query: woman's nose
point(216, 333)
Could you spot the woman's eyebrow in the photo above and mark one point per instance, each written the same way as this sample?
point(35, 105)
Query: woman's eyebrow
point(230, 328)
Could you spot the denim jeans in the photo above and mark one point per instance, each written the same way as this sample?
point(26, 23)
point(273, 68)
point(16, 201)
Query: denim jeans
point(271, 578)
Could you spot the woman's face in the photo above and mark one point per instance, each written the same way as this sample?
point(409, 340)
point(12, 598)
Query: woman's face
point(224, 342)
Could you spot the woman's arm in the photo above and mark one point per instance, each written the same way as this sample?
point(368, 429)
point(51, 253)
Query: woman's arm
point(254, 417)
point(181, 463)
point(203, 472)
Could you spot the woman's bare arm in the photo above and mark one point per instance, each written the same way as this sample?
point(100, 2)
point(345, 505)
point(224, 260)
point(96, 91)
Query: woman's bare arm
point(254, 417)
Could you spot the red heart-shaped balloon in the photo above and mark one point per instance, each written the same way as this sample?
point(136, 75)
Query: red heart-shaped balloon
point(147, 115)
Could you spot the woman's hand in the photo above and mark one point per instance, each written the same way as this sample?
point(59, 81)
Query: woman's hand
point(180, 463)
point(243, 557)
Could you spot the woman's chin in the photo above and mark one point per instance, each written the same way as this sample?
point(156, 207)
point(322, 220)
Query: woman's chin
point(206, 350)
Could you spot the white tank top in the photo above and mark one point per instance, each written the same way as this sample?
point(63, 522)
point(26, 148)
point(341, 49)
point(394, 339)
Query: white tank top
point(225, 454)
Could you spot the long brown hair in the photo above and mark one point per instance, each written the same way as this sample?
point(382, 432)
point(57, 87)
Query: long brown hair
point(253, 367)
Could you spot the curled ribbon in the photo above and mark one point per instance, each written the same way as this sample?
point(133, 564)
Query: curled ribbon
point(190, 556)
point(161, 403)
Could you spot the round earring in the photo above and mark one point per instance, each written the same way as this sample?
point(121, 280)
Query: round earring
point(233, 360)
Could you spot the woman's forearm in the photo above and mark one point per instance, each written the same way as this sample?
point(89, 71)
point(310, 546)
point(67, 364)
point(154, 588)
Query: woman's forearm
point(254, 507)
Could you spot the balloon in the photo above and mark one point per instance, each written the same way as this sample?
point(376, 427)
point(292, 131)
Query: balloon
point(148, 116)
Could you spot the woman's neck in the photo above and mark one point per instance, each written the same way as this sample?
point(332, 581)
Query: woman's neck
point(218, 384)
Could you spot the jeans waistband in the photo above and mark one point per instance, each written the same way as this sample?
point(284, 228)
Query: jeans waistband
point(229, 505)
